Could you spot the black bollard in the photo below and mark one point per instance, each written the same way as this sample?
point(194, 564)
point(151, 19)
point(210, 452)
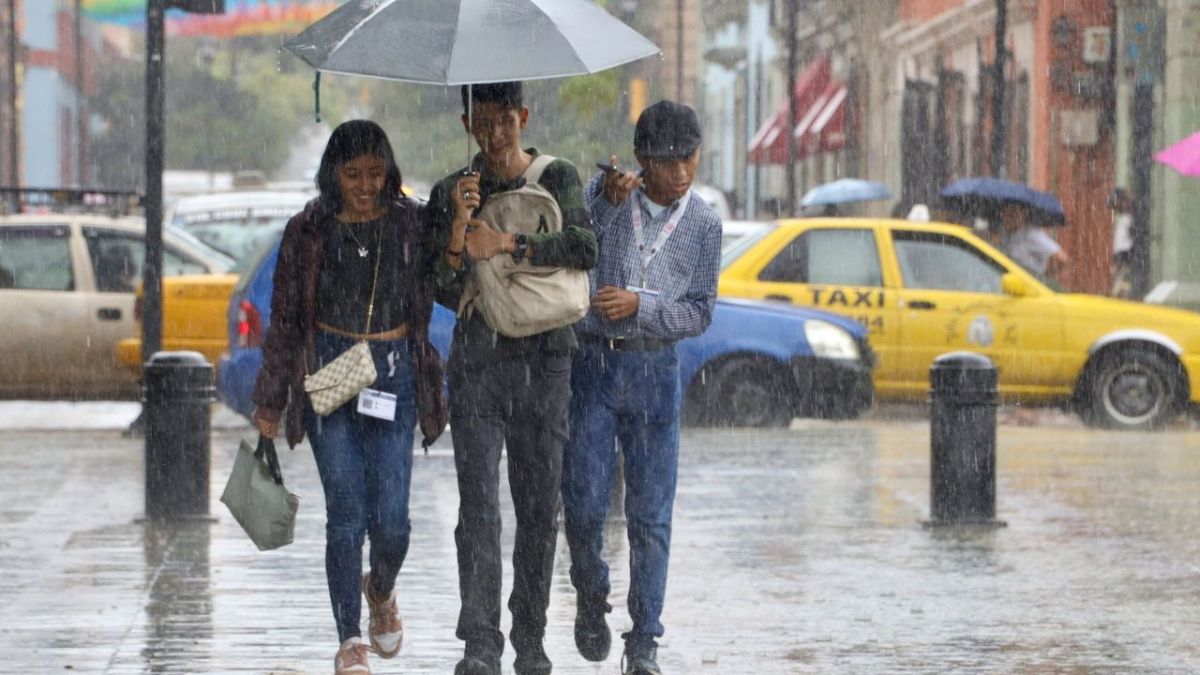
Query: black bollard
point(962, 420)
point(177, 394)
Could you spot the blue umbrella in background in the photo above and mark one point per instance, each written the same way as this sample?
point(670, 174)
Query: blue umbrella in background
point(845, 190)
point(984, 196)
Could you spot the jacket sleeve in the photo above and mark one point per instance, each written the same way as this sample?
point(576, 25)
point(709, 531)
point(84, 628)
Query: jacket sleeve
point(603, 213)
point(426, 259)
point(284, 341)
point(447, 285)
point(575, 246)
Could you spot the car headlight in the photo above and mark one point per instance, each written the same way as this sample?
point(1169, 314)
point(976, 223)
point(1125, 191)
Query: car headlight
point(830, 342)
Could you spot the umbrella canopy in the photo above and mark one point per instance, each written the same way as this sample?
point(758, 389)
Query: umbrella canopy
point(986, 195)
point(453, 42)
point(845, 190)
point(1184, 156)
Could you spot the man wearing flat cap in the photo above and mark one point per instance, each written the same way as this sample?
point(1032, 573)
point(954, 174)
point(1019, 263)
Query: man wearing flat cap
point(655, 283)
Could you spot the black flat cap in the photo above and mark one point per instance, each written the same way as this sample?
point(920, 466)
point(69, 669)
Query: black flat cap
point(667, 129)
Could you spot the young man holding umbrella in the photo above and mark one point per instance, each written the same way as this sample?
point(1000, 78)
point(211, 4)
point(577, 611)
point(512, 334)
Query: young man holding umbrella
point(655, 283)
point(505, 392)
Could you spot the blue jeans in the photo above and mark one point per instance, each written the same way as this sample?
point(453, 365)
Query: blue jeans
point(365, 465)
point(632, 398)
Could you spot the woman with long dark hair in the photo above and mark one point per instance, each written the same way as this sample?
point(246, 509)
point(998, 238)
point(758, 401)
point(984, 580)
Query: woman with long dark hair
point(352, 269)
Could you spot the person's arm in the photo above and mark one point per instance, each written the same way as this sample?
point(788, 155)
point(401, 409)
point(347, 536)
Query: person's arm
point(1056, 258)
point(605, 196)
point(691, 314)
point(1058, 263)
point(425, 276)
point(448, 278)
point(575, 246)
point(284, 341)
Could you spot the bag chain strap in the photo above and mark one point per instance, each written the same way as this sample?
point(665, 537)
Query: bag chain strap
point(375, 281)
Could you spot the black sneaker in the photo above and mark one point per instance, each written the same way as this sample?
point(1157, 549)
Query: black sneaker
point(475, 665)
point(592, 636)
point(639, 660)
point(531, 660)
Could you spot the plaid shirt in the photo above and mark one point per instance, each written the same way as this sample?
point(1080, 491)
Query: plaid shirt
point(683, 274)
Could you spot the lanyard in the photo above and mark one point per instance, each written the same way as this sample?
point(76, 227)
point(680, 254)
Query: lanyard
point(667, 229)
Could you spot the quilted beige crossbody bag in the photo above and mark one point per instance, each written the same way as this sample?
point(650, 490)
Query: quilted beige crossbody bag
point(342, 378)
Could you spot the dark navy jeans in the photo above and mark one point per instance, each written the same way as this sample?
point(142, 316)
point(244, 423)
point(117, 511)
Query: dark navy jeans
point(365, 465)
point(631, 398)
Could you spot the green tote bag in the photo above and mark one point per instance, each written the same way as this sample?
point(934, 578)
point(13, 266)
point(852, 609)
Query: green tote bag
point(257, 498)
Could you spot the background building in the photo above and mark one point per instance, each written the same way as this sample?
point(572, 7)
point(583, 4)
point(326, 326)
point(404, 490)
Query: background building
point(837, 94)
point(739, 80)
point(1158, 75)
point(11, 56)
point(676, 74)
point(1058, 122)
point(57, 79)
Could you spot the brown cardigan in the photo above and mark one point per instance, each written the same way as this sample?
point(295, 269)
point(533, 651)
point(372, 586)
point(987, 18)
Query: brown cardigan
point(292, 331)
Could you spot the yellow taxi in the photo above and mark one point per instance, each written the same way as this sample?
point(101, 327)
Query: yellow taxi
point(924, 289)
point(193, 318)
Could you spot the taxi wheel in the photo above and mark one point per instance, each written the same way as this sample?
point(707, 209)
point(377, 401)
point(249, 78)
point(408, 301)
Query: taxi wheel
point(752, 394)
point(1131, 389)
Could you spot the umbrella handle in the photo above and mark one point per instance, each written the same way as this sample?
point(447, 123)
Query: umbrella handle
point(317, 96)
point(470, 120)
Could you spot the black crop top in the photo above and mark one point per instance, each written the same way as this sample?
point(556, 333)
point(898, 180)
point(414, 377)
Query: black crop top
point(347, 273)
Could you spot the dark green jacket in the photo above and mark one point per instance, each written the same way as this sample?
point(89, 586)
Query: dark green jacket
point(574, 247)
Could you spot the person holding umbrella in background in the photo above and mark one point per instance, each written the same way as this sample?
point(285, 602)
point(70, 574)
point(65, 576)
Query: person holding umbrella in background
point(1029, 244)
point(1121, 205)
point(506, 392)
point(1017, 216)
point(655, 284)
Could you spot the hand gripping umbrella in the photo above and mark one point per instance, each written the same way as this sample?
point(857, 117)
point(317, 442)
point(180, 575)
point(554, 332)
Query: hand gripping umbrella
point(456, 42)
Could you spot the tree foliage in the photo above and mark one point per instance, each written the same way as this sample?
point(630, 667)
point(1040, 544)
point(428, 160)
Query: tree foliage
point(242, 105)
point(231, 112)
point(581, 119)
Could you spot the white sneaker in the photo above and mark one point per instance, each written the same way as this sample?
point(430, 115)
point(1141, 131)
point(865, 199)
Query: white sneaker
point(386, 630)
point(351, 658)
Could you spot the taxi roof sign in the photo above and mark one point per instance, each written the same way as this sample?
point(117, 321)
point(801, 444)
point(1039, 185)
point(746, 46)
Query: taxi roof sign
point(69, 200)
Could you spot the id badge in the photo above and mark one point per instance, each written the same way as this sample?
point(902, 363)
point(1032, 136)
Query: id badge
point(375, 403)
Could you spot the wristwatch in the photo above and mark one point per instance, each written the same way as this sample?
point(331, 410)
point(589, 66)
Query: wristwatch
point(522, 245)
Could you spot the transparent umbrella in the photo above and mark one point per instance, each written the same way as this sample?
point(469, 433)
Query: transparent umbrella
point(455, 42)
point(845, 190)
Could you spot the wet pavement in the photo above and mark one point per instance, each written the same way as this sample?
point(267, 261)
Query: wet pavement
point(795, 551)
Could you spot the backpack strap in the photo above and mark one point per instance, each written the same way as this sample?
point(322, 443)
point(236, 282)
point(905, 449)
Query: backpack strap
point(533, 173)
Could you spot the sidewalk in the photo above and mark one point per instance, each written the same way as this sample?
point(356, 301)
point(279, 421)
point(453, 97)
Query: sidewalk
point(795, 551)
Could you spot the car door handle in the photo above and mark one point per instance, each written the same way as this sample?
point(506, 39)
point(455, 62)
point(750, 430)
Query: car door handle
point(921, 304)
point(109, 314)
point(780, 298)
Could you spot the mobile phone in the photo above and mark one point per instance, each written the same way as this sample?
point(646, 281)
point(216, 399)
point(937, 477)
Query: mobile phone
point(609, 168)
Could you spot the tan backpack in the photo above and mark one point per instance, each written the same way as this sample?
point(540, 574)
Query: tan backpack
point(519, 299)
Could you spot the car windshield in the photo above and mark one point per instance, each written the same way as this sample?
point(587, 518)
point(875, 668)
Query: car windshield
point(209, 251)
point(235, 232)
point(250, 261)
point(733, 249)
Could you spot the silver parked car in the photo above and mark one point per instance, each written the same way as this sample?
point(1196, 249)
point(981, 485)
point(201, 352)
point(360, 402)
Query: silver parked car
point(67, 296)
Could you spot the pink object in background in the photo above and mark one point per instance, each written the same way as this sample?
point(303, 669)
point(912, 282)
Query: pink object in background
point(1183, 156)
